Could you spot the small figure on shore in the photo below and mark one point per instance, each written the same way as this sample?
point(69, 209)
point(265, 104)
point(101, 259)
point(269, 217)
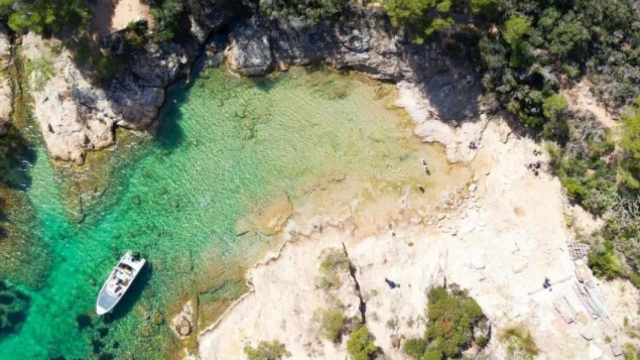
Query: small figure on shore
point(472, 145)
point(392, 285)
point(547, 284)
point(426, 168)
point(534, 167)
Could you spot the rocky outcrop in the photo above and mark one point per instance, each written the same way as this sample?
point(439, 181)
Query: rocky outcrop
point(6, 91)
point(365, 43)
point(76, 114)
point(73, 115)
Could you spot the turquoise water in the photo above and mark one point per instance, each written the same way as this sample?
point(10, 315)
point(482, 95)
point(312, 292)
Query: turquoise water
point(225, 148)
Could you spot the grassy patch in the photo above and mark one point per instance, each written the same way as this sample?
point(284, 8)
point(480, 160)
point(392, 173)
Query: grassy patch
point(334, 262)
point(39, 71)
point(519, 342)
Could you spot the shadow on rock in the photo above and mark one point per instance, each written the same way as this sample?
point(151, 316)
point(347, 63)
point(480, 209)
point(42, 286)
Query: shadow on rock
point(444, 75)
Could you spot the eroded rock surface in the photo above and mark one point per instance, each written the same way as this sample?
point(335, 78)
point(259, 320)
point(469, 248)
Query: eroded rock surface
point(6, 91)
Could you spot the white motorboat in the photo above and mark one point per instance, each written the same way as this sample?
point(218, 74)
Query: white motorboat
point(119, 282)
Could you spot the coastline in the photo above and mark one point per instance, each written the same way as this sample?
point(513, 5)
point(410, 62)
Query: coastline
point(504, 231)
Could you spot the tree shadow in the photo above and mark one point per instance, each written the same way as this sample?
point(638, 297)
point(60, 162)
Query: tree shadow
point(132, 296)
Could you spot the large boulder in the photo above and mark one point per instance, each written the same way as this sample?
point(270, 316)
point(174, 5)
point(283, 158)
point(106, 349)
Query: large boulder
point(249, 51)
point(76, 114)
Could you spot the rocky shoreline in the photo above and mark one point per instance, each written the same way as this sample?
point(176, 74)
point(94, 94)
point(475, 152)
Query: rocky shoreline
point(76, 114)
point(486, 234)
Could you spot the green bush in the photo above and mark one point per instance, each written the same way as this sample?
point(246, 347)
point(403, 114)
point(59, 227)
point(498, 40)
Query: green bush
point(515, 28)
point(45, 17)
point(332, 324)
point(604, 262)
point(453, 317)
point(416, 348)
point(432, 355)
point(554, 104)
point(420, 17)
point(630, 144)
point(273, 350)
point(360, 345)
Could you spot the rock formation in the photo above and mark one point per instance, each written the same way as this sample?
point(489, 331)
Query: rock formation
point(182, 324)
point(76, 114)
point(366, 44)
point(6, 91)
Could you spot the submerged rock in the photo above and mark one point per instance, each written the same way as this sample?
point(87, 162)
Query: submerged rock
point(14, 305)
point(182, 324)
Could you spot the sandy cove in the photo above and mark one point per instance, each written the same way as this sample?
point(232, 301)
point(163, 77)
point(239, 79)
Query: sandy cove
point(498, 232)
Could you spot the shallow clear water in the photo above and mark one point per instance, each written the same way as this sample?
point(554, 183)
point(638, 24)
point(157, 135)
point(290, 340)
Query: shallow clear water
point(226, 146)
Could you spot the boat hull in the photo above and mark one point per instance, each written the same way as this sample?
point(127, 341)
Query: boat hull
point(108, 300)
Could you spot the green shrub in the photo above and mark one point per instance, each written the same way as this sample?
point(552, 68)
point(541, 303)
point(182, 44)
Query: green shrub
point(630, 144)
point(416, 348)
point(554, 104)
point(453, 316)
point(45, 17)
point(331, 324)
point(604, 262)
point(515, 28)
point(432, 355)
point(360, 345)
point(519, 342)
point(273, 350)
point(420, 17)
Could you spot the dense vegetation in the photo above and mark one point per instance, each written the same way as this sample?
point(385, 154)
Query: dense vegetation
point(44, 16)
point(455, 323)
